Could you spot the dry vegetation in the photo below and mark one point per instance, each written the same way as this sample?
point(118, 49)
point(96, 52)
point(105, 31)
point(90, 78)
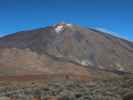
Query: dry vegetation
point(113, 89)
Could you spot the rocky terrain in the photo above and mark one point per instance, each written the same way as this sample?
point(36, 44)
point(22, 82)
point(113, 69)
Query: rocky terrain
point(65, 62)
point(84, 46)
point(114, 89)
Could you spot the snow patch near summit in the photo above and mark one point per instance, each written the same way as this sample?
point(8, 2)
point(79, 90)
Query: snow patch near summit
point(59, 28)
point(69, 25)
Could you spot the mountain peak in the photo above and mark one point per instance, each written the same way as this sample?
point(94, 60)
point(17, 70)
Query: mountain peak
point(63, 23)
point(61, 26)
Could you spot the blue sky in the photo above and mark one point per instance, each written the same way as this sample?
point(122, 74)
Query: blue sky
point(110, 15)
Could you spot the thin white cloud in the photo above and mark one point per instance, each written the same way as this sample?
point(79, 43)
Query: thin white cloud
point(106, 30)
point(110, 32)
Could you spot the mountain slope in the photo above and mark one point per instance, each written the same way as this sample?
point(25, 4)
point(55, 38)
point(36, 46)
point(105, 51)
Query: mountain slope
point(73, 44)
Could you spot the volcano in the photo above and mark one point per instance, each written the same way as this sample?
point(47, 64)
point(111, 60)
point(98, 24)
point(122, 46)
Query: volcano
point(65, 62)
point(64, 49)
